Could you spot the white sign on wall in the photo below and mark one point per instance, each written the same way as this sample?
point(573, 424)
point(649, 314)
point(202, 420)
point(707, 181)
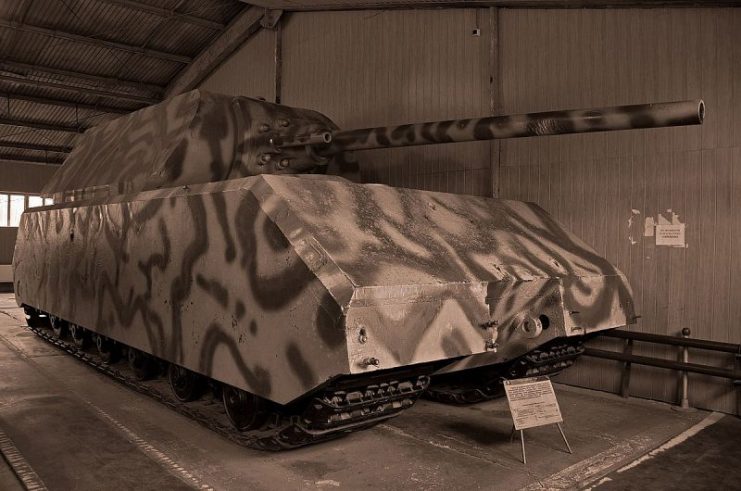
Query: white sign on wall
point(670, 235)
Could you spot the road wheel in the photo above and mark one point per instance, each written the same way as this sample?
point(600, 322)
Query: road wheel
point(59, 326)
point(80, 336)
point(143, 365)
point(186, 385)
point(108, 350)
point(246, 411)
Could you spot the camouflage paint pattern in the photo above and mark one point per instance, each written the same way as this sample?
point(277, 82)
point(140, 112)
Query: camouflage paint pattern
point(173, 237)
point(193, 138)
point(266, 282)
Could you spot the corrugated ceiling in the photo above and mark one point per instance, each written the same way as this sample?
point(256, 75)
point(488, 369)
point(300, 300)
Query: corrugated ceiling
point(70, 64)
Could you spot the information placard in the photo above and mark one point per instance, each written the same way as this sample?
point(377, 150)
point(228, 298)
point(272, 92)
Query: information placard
point(670, 235)
point(532, 402)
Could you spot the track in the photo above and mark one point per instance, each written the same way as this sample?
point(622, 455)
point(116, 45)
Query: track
point(347, 405)
point(485, 383)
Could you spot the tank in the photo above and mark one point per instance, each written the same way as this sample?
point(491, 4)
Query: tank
point(203, 239)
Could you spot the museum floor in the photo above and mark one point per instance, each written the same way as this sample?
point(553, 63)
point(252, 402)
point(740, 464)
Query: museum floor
point(72, 428)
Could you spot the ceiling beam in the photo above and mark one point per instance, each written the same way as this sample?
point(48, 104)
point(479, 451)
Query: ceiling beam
point(122, 96)
point(62, 103)
point(39, 125)
point(167, 14)
point(35, 147)
point(34, 160)
point(100, 43)
point(14, 66)
point(242, 27)
point(311, 5)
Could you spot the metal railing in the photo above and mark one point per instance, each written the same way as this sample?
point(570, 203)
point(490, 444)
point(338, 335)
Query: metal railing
point(684, 366)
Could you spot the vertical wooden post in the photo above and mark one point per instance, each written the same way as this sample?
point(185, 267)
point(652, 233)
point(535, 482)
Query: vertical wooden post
point(625, 382)
point(278, 59)
point(737, 384)
point(495, 95)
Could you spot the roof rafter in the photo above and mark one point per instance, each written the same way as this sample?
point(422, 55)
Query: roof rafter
point(103, 80)
point(167, 14)
point(314, 5)
point(35, 160)
point(100, 43)
point(39, 125)
point(82, 90)
point(35, 147)
point(65, 103)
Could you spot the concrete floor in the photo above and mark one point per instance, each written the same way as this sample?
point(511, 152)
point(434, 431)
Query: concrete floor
point(8, 480)
point(80, 430)
point(709, 460)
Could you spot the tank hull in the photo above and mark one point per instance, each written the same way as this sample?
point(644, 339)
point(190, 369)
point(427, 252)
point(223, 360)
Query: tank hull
point(278, 284)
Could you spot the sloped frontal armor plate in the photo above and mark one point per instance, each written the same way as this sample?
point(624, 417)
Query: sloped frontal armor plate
point(438, 276)
point(276, 284)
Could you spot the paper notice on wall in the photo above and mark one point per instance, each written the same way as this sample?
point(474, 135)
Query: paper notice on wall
point(671, 235)
point(532, 402)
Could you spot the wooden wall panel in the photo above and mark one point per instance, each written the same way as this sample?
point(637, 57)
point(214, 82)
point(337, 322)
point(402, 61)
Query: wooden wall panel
point(250, 71)
point(389, 67)
point(7, 244)
point(592, 183)
point(18, 177)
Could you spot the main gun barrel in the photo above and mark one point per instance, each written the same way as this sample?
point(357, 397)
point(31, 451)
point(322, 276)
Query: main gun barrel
point(518, 126)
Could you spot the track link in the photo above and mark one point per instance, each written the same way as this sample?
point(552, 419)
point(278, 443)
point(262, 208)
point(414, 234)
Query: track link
point(350, 404)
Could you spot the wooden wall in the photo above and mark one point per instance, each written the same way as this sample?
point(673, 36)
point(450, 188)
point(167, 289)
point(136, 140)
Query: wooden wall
point(376, 68)
point(595, 184)
point(250, 71)
point(17, 177)
point(7, 244)
point(382, 67)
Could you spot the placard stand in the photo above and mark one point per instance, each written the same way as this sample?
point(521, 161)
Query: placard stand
point(522, 440)
point(532, 402)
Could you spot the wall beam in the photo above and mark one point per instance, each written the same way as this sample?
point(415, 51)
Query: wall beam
point(495, 96)
point(278, 61)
